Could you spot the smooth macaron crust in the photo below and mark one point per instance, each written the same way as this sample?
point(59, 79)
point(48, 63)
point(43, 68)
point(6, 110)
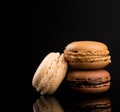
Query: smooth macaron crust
point(50, 73)
point(89, 81)
point(87, 54)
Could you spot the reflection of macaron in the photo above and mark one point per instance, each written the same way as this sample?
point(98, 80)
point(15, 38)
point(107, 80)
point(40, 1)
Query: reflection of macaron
point(50, 73)
point(47, 104)
point(92, 104)
point(92, 81)
point(87, 54)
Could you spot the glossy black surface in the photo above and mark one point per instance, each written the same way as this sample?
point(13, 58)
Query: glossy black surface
point(40, 28)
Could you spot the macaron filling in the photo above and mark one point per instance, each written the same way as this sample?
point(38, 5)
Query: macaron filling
point(87, 84)
point(85, 52)
point(82, 59)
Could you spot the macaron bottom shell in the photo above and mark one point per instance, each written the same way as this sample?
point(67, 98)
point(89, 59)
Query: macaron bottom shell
point(89, 64)
point(88, 89)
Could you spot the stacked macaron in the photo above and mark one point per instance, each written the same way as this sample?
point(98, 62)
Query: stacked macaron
point(88, 58)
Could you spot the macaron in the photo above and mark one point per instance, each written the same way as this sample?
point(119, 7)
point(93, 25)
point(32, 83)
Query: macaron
point(88, 81)
point(87, 54)
point(50, 73)
point(47, 104)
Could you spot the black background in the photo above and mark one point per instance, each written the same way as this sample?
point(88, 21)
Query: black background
point(40, 28)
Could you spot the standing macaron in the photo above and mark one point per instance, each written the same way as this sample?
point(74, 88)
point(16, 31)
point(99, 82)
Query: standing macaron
point(89, 81)
point(87, 54)
point(50, 73)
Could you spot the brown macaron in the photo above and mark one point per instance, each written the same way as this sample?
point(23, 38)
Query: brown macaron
point(87, 54)
point(91, 81)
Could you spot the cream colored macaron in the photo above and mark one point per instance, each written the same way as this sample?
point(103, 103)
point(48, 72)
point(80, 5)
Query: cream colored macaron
point(50, 73)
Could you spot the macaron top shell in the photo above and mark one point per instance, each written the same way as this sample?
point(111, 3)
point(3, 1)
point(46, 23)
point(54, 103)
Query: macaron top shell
point(86, 48)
